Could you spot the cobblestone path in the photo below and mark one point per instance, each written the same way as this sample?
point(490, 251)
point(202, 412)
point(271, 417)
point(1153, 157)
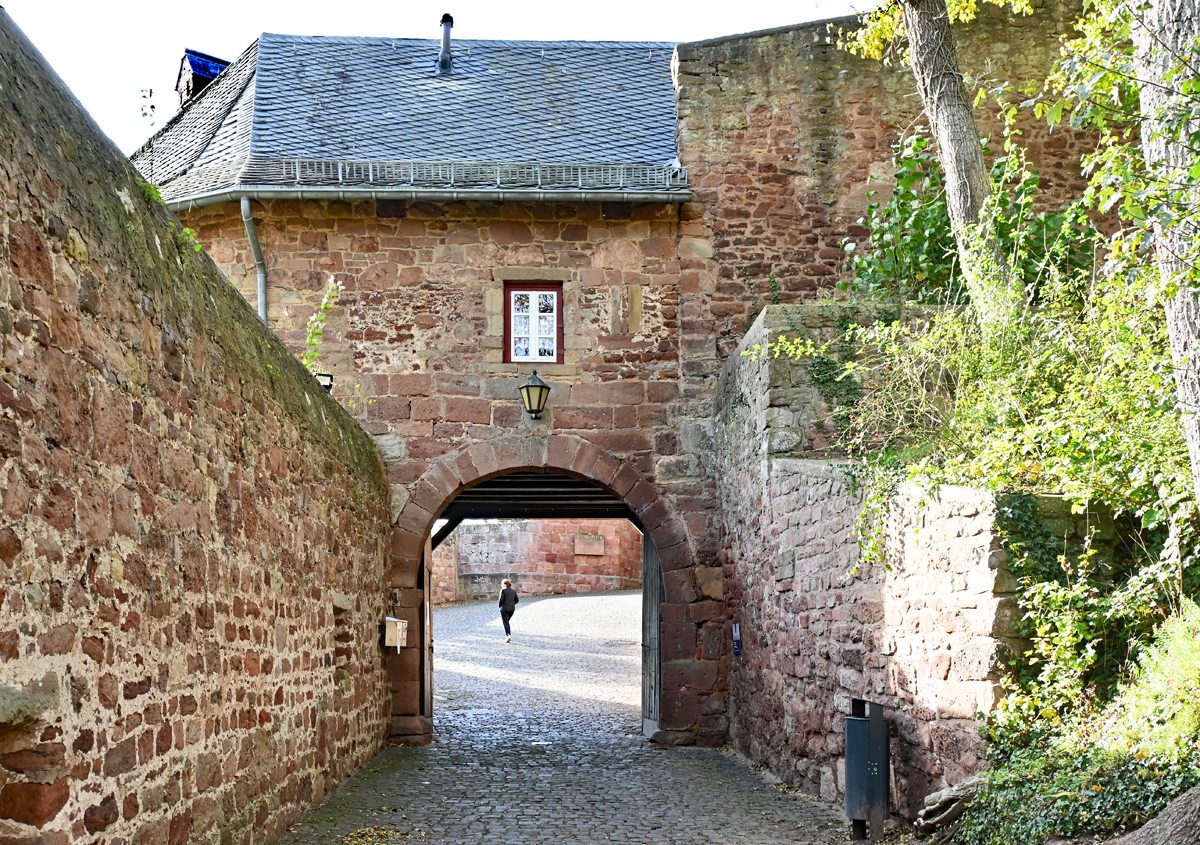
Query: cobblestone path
point(539, 742)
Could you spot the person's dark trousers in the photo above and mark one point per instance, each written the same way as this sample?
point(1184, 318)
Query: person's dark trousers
point(505, 615)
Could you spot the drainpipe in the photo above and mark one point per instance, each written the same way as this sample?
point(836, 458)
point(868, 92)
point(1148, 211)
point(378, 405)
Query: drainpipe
point(259, 263)
point(444, 59)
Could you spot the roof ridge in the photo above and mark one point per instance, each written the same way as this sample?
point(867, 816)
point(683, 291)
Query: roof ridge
point(188, 51)
point(384, 39)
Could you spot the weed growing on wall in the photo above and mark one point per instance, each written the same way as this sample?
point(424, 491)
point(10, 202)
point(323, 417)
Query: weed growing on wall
point(910, 254)
point(316, 323)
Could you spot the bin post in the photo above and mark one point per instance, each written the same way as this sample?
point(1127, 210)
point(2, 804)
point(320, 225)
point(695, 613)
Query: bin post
point(867, 769)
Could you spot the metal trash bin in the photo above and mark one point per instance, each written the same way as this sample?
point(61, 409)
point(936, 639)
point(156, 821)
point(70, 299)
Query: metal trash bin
point(867, 768)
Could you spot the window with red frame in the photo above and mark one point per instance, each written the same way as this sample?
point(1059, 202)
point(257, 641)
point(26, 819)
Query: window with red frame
point(533, 323)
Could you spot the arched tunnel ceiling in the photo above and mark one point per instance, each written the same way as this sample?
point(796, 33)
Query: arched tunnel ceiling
point(532, 495)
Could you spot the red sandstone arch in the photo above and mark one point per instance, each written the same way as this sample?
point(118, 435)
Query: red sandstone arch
point(566, 453)
point(686, 678)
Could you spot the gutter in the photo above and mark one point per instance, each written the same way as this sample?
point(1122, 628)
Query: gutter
point(259, 263)
point(247, 193)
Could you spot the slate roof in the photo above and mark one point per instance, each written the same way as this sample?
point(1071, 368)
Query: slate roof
point(371, 113)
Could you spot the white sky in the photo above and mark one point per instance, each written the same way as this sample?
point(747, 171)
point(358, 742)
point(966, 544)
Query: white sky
point(107, 51)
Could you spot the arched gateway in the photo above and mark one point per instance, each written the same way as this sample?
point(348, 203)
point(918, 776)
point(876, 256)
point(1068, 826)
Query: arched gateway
point(678, 682)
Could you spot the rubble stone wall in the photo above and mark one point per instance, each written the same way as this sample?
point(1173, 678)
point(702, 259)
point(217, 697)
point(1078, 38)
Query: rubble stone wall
point(781, 132)
point(541, 557)
point(923, 631)
point(192, 534)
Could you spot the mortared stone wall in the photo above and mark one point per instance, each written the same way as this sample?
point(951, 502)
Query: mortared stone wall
point(415, 344)
point(926, 631)
point(192, 533)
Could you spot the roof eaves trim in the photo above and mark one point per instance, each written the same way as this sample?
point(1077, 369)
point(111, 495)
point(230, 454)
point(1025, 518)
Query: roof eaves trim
point(259, 173)
point(299, 172)
point(258, 192)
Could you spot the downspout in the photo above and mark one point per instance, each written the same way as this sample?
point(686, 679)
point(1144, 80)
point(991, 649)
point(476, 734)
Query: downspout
point(259, 263)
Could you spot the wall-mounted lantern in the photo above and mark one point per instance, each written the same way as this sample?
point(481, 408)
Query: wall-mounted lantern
point(534, 394)
point(325, 380)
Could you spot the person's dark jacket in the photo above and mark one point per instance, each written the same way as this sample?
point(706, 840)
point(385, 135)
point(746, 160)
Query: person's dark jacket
point(508, 600)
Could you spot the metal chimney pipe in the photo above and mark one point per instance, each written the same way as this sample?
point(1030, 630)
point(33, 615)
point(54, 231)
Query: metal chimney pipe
point(444, 57)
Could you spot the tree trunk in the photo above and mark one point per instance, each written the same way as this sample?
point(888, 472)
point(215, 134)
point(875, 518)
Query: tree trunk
point(1170, 26)
point(994, 295)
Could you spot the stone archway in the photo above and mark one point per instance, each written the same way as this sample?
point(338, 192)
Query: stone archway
point(693, 628)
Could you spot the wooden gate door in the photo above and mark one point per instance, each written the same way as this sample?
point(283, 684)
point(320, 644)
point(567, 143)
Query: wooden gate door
point(652, 598)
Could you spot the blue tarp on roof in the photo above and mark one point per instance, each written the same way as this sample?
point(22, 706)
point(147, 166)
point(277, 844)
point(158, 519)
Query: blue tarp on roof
point(203, 65)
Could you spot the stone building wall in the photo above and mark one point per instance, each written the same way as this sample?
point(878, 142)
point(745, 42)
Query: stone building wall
point(415, 345)
point(443, 574)
point(541, 557)
point(925, 635)
point(192, 534)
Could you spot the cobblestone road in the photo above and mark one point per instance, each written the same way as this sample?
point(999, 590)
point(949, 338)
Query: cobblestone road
point(538, 742)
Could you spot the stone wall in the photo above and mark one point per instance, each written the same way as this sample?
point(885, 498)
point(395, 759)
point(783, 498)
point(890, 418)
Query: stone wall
point(781, 130)
point(192, 534)
point(541, 557)
point(925, 634)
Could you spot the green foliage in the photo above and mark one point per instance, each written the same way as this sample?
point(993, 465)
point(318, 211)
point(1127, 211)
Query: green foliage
point(1040, 793)
point(1163, 692)
point(150, 192)
point(881, 29)
point(1099, 86)
point(826, 369)
point(1113, 768)
point(912, 256)
point(187, 239)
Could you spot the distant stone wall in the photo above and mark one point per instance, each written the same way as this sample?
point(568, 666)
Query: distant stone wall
point(192, 534)
point(541, 557)
point(925, 635)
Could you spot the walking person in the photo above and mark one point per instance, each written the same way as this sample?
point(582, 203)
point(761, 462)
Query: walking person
point(508, 604)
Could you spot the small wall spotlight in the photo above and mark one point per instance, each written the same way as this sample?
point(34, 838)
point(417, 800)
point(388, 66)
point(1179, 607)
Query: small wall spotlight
point(325, 380)
point(534, 394)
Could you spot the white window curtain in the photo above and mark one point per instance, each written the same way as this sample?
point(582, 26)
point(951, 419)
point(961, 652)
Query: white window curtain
point(533, 318)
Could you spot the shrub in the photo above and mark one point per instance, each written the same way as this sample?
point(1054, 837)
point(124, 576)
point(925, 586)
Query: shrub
point(1109, 770)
